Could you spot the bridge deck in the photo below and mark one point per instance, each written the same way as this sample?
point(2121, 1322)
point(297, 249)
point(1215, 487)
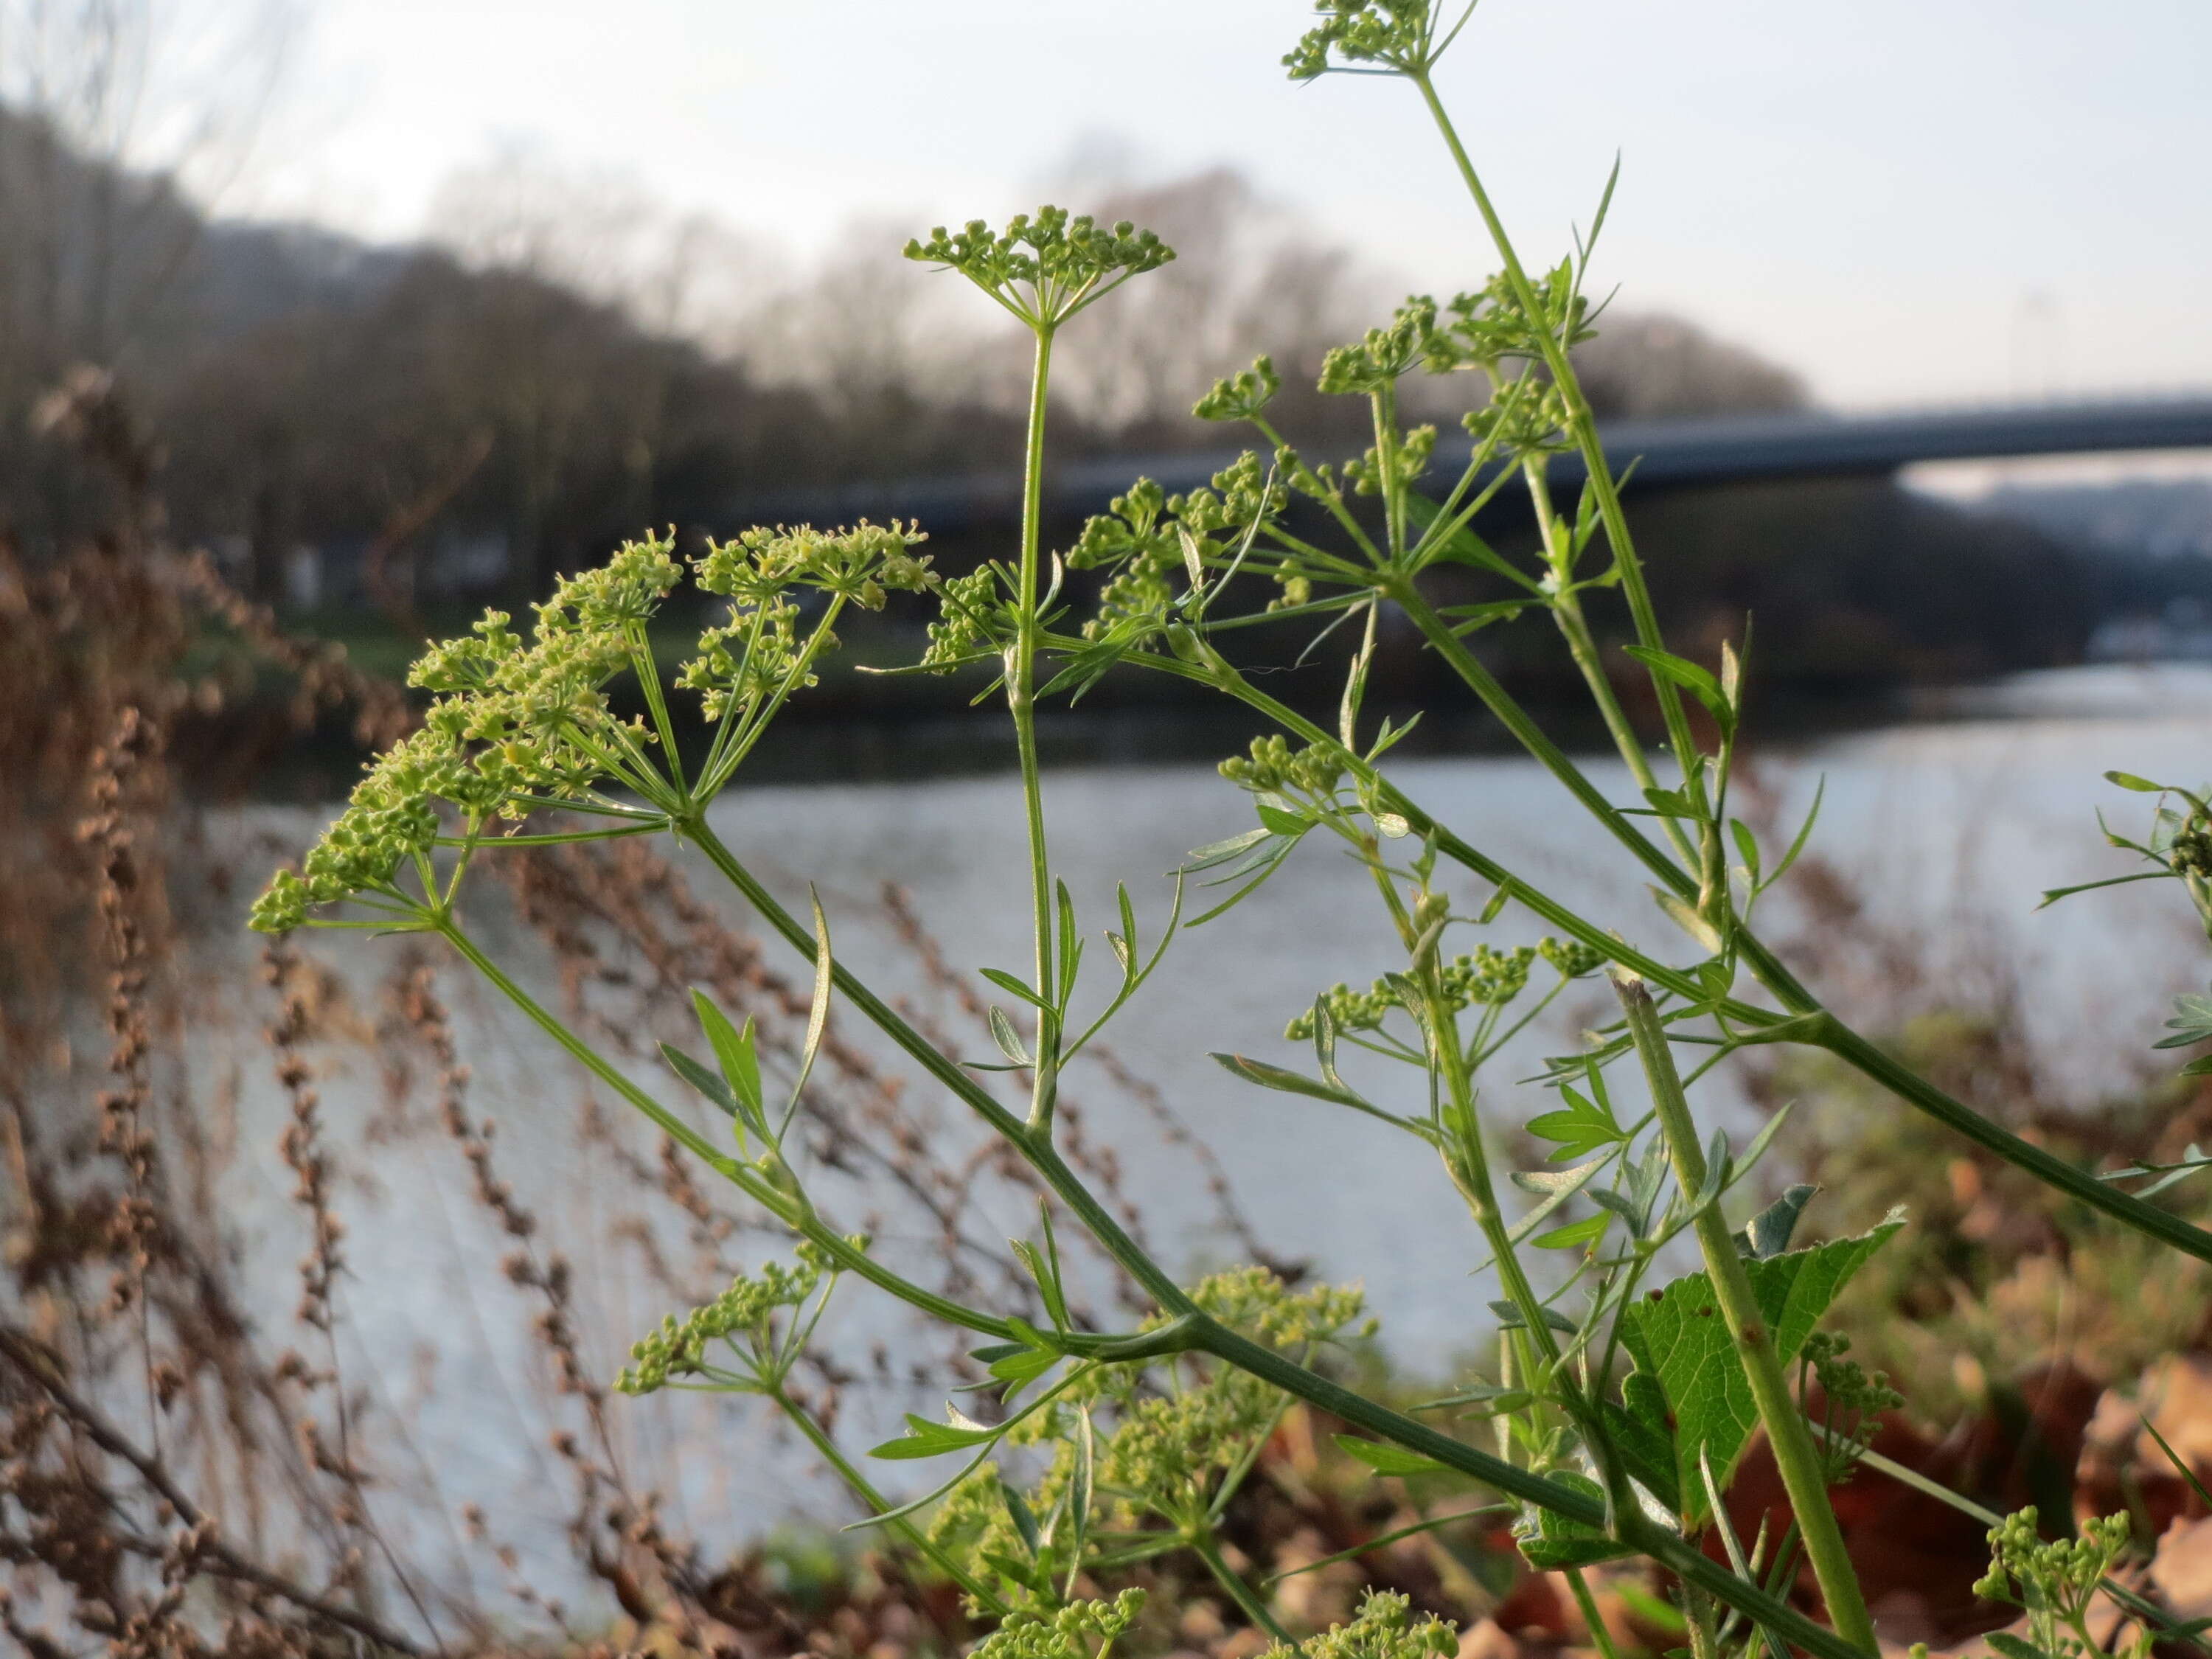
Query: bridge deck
point(1739, 448)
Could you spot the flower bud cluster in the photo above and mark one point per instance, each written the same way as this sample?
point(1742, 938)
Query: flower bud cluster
point(1140, 538)
point(1383, 355)
point(2055, 1581)
point(1571, 958)
point(1395, 33)
point(860, 564)
point(1073, 1632)
point(746, 1310)
point(971, 618)
point(1046, 267)
point(1243, 396)
point(1853, 1400)
point(1384, 1628)
point(515, 724)
point(1274, 766)
point(1169, 1450)
point(1367, 476)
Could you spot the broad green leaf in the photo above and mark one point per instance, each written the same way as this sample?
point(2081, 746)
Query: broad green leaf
point(1645, 1440)
point(1678, 1337)
point(2130, 780)
point(1386, 1459)
point(2013, 1647)
point(1552, 1543)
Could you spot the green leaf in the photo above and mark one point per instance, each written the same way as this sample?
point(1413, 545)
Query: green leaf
point(1006, 981)
point(1575, 1234)
point(2013, 1647)
point(1683, 915)
point(734, 1050)
point(2191, 1023)
point(706, 1082)
point(1220, 851)
point(1746, 847)
point(1008, 1039)
point(1642, 1434)
point(1768, 1232)
point(1290, 1083)
point(1386, 1459)
point(817, 1013)
point(2130, 780)
point(1509, 1318)
point(1280, 822)
point(1578, 1128)
point(1678, 1337)
point(1552, 1543)
point(924, 1438)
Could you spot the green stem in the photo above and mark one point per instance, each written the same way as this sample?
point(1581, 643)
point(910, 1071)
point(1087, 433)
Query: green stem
point(1863, 1056)
point(905, 1528)
point(799, 1217)
point(1021, 703)
point(1532, 738)
point(1832, 1034)
point(1601, 1638)
point(1795, 1454)
point(1202, 1545)
point(1635, 1530)
point(1582, 424)
point(1574, 627)
point(1036, 1149)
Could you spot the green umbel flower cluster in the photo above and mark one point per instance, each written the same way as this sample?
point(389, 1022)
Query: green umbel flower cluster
point(2056, 1582)
point(1147, 538)
point(1570, 959)
point(1168, 1451)
point(1384, 1628)
point(1853, 1401)
point(1488, 977)
point(1397, 34)
point(860, 564)
point(1160, 1453)
point(1241, 397)
point(973, 620)
point(1274, 766)
point(1044, 268)
point(744, 1312)
point(516, 725)
point(1383, 355)
point(1081, 1629)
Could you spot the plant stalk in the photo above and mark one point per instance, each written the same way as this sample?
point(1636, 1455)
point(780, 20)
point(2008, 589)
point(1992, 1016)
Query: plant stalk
point(1795, 1456)
point(1021, 703)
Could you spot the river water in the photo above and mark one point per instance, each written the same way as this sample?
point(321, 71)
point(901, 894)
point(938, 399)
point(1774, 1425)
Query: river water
point(1947, 829)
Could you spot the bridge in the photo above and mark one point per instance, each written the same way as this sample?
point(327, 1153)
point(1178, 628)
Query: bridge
point(1668, 453)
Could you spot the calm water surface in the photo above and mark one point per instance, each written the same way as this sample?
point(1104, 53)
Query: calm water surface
point(1948, 831)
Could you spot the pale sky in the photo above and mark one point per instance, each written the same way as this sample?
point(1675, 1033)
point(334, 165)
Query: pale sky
point(1905, 200)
